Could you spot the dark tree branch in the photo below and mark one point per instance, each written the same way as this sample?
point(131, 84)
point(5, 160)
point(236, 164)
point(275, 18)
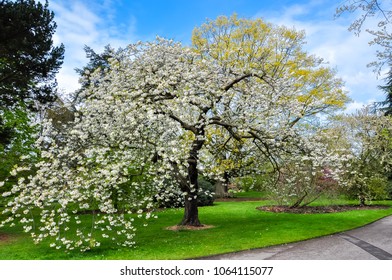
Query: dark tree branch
point(239, 79)
point(183, 124)
point(235, 81)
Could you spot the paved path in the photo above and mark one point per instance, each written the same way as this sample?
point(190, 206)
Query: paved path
point(371, 242)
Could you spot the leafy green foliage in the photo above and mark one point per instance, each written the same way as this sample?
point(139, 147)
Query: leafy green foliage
point(22, 146)
point(206, 191)
point(370, 137)
point(98, 62)
point(176, 199)
point(386, 105)
point(255, 182)
point(28, 61)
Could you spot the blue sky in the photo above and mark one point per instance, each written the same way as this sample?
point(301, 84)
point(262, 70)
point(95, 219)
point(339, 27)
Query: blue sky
point(97, 23)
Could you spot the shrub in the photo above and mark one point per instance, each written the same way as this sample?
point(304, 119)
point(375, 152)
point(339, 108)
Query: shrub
point(175, 199)
point(369, 188)
point(206, 193)
point(378, 187)
point(256, 182)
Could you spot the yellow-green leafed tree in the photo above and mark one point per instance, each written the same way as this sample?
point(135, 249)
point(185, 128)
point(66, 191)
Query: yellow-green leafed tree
point(274, 90)
point(274, 56)
point(229, 158)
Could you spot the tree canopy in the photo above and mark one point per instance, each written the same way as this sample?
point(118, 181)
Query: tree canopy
point(149, 120)
point(366, 137)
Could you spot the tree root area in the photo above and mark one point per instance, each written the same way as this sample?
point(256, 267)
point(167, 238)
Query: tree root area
point(180, 227)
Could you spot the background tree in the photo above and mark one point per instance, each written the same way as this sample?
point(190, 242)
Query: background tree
point(294, 88)
point(386, 105)
point(230, 158)
point(28, 59)
point(21, 150)
point(97, 62)
point(367, 139)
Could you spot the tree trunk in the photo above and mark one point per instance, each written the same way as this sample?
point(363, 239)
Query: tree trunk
point(226, 182)
point(191, 213)
point(299, 201)
point(220, 190)
point(362, 200)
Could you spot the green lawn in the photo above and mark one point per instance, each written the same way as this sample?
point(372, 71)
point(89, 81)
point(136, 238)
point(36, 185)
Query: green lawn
point(250, 194)
point(237, 226)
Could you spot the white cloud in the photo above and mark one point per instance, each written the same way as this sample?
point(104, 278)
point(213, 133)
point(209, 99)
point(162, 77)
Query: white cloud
point(354, 106)
point(330, 39)
point(79, 24)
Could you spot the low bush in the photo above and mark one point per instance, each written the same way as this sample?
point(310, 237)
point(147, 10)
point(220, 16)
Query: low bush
point(176, 199)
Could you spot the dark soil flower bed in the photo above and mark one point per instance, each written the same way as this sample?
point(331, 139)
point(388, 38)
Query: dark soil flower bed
point(238, 199)
point(318, 209)
point(4, 237)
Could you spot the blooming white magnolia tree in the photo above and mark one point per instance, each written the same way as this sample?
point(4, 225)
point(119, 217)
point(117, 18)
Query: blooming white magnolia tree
point(149, 115)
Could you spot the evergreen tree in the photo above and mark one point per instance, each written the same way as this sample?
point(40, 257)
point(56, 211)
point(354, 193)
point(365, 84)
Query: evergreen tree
point(28, 61)
point(386, 105)
point(97, 62)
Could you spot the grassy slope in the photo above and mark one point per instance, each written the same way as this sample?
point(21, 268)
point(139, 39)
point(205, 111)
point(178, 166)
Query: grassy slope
point(238, 226)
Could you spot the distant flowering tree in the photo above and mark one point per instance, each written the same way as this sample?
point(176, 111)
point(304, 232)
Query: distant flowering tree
point(368, 137)
point(146, 123)
point(307, 172)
